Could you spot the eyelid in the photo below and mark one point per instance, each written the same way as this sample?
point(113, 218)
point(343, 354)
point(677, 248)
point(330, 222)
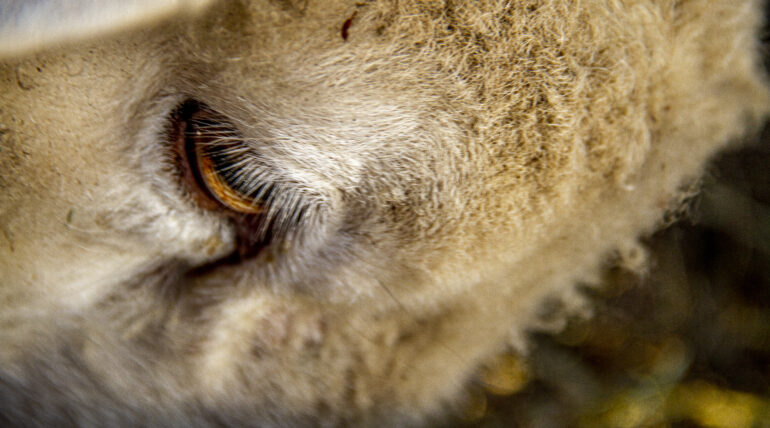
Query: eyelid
point(221, 191)
point(226, 174)
point(200, 135)
point(201, 147)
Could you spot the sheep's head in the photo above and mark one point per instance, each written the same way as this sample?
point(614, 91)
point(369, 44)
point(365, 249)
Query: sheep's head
point(285, 212)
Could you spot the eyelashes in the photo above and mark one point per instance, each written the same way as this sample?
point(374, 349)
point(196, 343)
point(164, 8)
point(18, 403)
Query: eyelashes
point(225, 173)
point(220, 162)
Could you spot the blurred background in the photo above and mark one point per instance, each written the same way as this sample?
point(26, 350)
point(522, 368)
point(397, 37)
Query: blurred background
point(686, 345)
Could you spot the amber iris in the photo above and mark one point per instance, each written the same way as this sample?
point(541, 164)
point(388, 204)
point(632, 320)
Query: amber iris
point(213, 150)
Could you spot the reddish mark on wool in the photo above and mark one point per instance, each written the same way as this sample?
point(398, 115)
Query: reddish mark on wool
point(346, 25)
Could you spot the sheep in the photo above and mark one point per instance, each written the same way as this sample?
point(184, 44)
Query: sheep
point(291, 213)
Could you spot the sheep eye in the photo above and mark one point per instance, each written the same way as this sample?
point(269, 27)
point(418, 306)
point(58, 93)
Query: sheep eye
point(215, 160)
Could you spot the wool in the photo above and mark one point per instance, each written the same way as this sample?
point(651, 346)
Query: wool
point(445, 171)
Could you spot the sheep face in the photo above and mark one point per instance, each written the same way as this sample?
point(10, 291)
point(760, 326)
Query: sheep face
point(286, 212)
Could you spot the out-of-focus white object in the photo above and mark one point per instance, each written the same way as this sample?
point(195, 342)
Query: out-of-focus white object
point(29, 25)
